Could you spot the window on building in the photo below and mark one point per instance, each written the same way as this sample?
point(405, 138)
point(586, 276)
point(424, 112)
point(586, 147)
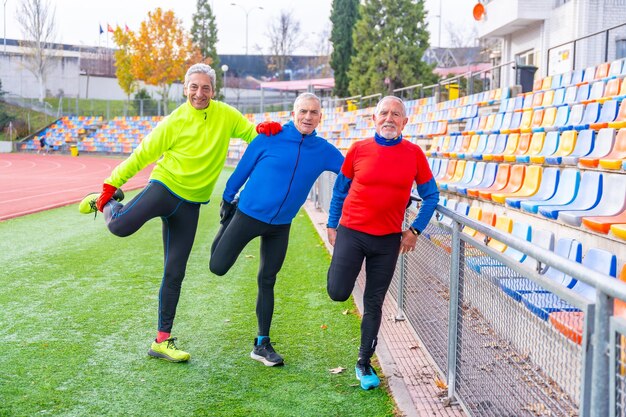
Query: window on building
point(620, 48)
point(526, 58)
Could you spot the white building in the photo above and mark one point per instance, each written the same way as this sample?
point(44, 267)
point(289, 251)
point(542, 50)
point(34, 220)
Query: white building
point(541, 33)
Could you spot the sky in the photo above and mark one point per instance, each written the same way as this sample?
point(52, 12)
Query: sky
point(78, 21)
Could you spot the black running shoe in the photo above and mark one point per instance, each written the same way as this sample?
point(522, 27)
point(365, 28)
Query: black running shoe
point(266, 354)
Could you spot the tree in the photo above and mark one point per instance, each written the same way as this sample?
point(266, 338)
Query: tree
point(36, 19)
point(162, 50)
point(204, 36)
point(390, 39)
point(285, 38)
point(344, 15)
point(123, 61)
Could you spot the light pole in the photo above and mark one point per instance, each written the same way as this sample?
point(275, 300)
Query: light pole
point(224, 70)
point(5, 26)
point(247, 12)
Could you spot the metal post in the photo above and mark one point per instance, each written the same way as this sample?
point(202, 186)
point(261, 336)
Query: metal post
point(5, 26)
point(606, 47)
point(455, 299)
point(600, 374)
point(400, 313)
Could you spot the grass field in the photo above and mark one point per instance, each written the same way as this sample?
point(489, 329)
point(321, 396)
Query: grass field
point(78, 312)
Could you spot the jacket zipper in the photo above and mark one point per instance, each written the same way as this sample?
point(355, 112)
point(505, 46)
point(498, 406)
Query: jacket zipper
point(293, 174)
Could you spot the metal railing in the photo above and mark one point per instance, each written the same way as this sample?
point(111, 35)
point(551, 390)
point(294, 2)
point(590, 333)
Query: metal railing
point(497, 356)
point(596, 47)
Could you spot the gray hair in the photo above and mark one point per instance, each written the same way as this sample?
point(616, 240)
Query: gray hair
point(306, 96)
point(398, 99)
point(201, 69)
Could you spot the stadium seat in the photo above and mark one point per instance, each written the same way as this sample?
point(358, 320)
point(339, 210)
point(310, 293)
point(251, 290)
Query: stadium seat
point(612, 201)
point(443, 168)
point(602, 71)
point(534, 148)
point(529, 187)
point(499, 147)
point(590, 115)
point(474, 213)
point(522, 147)
point(567, 143)
point(607, 115)
point(449, 173)
point(566, 191)
point(620, 120)
point(489, 145)
point(511, 145)
point(484, 175)
point(550, 145)
point(458, 174)
point(566, 248)
point(562, 114)
point(587, 197)
point(570, 95)
point(513, 183)
point(556, 81)
point(497, 183)
point(582, 93)
point(549, 117)
point(589, 74)
point(467, 153)
point(571, 323)
point(583, 147)
point(602, 147)
point(547, 188)
point(468, 174)
point(602, 224)
point(618, 153)
point(543, 304)
point(520, 230)
point(619, 230)
point(559, 96)
point(616, 67)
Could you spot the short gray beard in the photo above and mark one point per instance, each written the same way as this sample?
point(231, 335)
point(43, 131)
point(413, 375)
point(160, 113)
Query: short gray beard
point(389, 135)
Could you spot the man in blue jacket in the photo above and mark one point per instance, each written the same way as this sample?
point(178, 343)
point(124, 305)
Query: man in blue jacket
point(279, 173)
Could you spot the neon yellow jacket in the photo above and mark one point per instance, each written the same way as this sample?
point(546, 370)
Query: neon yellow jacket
point(192, 146)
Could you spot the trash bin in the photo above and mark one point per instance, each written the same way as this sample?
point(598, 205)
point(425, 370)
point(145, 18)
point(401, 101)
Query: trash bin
point(525, 76)
point(73, 150)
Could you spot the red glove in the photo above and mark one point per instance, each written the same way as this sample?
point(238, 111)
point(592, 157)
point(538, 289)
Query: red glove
point(269, 128)
point(107, 194)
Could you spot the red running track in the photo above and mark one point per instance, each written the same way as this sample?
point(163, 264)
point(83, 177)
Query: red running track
point(30, 183)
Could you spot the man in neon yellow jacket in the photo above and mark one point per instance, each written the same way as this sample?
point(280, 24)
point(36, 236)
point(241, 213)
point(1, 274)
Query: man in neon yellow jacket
point(189, 147)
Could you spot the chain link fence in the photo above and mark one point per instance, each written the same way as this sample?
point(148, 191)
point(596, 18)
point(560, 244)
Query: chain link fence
point(499, 357)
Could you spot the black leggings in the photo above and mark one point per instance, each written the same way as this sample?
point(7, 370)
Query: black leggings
point(180, 221)
point(380, 254)
point(230, 240)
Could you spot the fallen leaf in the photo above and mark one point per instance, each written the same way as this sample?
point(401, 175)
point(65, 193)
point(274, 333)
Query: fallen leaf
point(323, 327)
point(441, 384)
point(249, 256)
point(345, 312)
point(414, 347)
point(227, 321)
point(337, 370)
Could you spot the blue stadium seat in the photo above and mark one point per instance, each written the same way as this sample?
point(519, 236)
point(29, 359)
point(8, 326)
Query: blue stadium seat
point(481, 171)
point(488, 147)
point(587, 197)
point(520, 230)
point(584, 146)
point(612, 201)
point(566, 191)
point(550, 145)
point(542, 304)
point(468, 174)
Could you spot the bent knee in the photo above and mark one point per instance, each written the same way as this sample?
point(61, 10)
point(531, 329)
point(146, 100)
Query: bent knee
point(217, 269)
point(338, 295)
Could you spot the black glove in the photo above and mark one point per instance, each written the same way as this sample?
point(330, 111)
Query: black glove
point(227, 210)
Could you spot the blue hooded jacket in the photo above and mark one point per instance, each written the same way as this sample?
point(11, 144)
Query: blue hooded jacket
point(280, 171)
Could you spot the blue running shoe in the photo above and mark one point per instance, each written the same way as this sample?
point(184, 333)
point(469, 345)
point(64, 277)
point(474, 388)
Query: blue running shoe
point(367, 375)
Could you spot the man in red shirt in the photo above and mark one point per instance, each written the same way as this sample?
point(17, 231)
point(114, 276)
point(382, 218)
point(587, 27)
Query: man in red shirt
point(370, 196)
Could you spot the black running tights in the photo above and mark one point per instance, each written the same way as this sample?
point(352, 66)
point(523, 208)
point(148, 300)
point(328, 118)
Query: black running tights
point(380, 254)
point(180, 221)
point(230, 241)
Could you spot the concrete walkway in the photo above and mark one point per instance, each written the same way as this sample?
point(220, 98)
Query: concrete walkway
point(408, 370)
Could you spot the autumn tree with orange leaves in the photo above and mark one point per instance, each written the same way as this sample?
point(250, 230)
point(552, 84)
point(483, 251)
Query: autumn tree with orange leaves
point(160, 52)
point(123, 61)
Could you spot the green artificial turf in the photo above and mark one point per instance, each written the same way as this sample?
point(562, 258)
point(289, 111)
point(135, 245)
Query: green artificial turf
point(78, 312)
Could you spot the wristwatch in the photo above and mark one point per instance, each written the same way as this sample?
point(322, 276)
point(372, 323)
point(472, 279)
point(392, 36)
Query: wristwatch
point(414, 231)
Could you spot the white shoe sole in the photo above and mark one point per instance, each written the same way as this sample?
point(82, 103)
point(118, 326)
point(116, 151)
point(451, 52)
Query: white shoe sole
point(264, 361)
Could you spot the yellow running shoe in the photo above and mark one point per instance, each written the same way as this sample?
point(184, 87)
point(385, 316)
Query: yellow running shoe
point(167, 350)
point(88, 204)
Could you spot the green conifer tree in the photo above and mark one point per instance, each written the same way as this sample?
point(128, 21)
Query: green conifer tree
point(204, 36)
point(390, 39)
point(344, 15)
